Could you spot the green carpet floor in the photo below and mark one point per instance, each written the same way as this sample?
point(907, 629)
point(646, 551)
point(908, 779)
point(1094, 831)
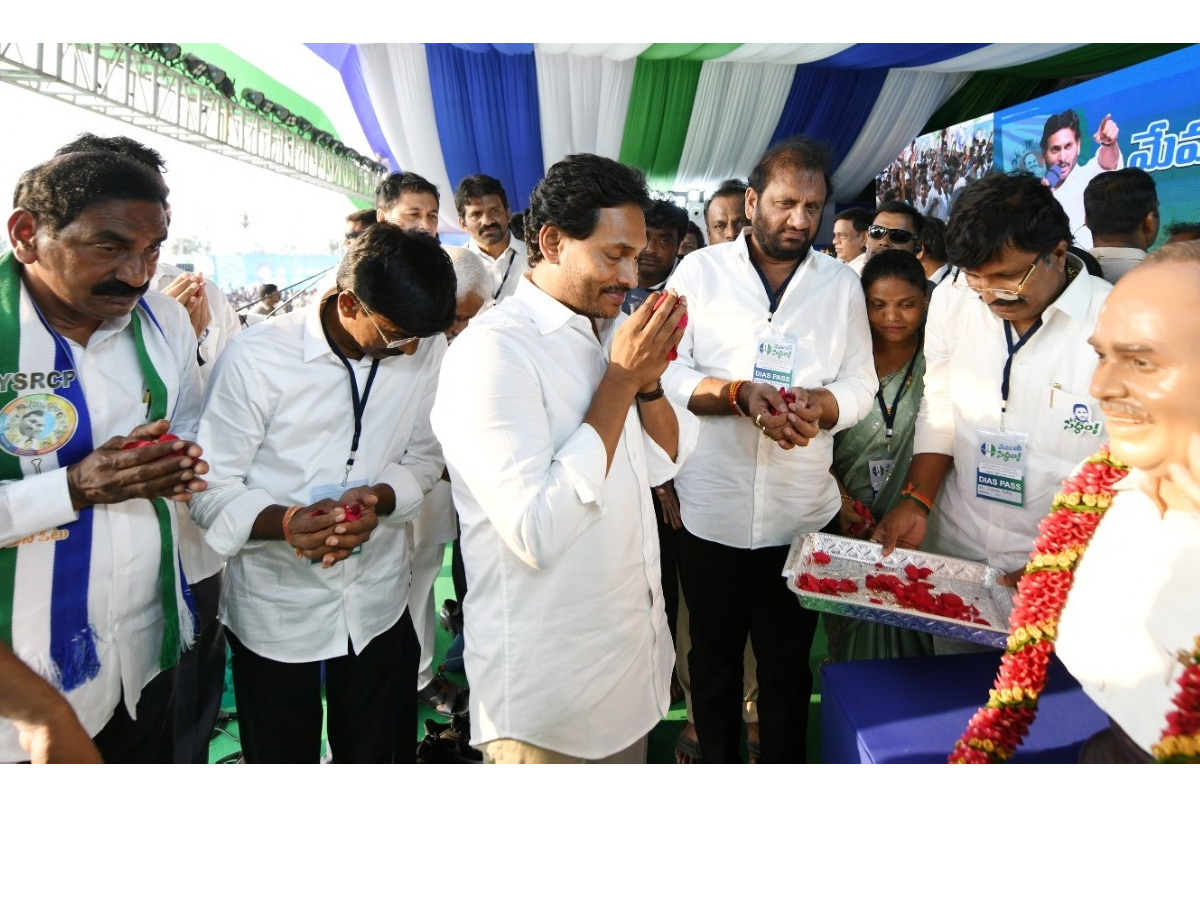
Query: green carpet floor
point(225, 744)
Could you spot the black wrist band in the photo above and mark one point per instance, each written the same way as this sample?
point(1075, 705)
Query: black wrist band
point(650, 396)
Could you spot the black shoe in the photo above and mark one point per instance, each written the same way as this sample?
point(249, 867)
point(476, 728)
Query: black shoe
point(451, 617)
point(448, 742)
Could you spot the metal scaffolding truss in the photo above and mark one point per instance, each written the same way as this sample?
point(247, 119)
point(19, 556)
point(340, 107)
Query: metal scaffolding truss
point(120, 82)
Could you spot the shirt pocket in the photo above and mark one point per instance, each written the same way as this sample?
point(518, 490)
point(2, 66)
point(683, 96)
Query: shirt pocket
point(1072, 423)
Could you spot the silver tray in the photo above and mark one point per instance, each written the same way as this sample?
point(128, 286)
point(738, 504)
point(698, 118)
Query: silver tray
point(853, 559)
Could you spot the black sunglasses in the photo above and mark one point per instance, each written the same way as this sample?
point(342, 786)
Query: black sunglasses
point(895, 235)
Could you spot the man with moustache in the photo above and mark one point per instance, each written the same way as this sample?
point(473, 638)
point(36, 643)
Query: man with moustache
point(725, 212)
point(91, 600)
point(1132, 617)
point(765, 312)
point(483, 213)
point(565, 429)
point(896, 226)
point(850, 236)
point(1066, 176)
point(666, 225)
point(1006, 413)
point(408, 200)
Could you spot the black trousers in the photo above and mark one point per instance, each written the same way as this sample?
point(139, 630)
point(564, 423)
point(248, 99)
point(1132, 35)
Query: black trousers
point(150, 738)
point(201, 679)
point(732, 593)
point(279, 704)
point(668, 552)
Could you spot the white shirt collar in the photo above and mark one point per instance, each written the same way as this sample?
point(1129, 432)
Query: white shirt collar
point(549, 314)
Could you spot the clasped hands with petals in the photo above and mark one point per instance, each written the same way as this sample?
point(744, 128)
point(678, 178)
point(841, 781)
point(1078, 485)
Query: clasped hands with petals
point(786, 421)
point(330, 530)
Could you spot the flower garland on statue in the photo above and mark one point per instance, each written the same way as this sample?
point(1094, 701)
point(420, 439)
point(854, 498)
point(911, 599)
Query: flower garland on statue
point(995, 730)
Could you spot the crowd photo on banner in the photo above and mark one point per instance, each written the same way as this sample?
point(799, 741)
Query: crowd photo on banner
point(592, 471)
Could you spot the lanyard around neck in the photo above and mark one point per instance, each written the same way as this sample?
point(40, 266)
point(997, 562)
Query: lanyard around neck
point(1013, 349)
point(889, 412)
point(359, 402)
point(512, 257)
point(773, 297)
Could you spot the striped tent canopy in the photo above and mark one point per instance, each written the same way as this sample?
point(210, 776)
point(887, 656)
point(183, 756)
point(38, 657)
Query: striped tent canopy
point(688, 115)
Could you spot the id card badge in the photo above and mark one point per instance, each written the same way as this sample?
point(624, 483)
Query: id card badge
point(775, 359)
point(333, 493)
point(880, 471)
point(1001, 466)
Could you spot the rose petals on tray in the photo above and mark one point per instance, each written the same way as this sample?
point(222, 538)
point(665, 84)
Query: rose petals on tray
point(937, 594)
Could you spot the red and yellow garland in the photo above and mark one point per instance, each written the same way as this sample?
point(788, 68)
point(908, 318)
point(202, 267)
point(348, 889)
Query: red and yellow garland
point(994, 731)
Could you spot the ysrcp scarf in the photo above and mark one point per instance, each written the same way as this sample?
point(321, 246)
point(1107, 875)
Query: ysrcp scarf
point(45, 425)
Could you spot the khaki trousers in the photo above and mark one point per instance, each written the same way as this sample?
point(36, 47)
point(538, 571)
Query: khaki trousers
point(507, 751)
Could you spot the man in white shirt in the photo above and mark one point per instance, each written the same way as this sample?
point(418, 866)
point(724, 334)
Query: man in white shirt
point(437, 524)
point(90, 596)
point(320, 426)
point(725, 212)
point(1121, 209)
point(483, 213)
point(933, 250)
point(666, 224)
point(1006, 413)
point(1132, 608)
point(765, 312)
point(408, 200)
point(1066, 176)
point(850, 236)
point(554, 426)
point(200, 679)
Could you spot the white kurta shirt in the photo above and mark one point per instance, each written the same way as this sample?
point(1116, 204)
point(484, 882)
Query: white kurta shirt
point(506, 269)
point(123, 606)
point(199, 559)
point(1132, 608)
point(739, 489)
point(277, 426)
point(1070, 195)
point(965, 352)
point(567, 645)
point(1116, 261)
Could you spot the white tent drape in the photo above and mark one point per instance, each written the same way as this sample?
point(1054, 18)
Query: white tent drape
point(736, 109)
point(582, 101)
point(906, 102)
point(397, 80)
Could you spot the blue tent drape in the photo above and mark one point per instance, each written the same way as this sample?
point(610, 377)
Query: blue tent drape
point(486, 106)
point(830, 105)
point(344, 58)
point(886, 56)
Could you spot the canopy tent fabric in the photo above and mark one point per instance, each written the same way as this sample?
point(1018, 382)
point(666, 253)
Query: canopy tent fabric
point(689, 115)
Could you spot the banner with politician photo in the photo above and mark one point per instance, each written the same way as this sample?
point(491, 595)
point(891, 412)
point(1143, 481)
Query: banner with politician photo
point(1146, 116)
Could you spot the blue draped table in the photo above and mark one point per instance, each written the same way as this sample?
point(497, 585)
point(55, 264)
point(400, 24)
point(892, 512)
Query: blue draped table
point(913, 710)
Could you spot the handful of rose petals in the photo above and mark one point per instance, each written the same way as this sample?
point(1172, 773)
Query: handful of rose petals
point(683, 320)
point(165, 439)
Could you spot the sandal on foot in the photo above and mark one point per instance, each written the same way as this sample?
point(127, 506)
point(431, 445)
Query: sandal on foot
point(688, 748)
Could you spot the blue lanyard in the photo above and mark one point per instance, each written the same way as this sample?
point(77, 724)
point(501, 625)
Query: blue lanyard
point(1012, 351)
point(359, 403)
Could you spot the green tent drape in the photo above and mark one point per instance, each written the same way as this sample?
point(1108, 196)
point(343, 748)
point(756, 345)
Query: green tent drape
point(660, 109)
point(999, 89)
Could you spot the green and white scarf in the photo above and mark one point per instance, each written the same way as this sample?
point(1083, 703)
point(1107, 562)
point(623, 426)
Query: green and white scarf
point(45, 425)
